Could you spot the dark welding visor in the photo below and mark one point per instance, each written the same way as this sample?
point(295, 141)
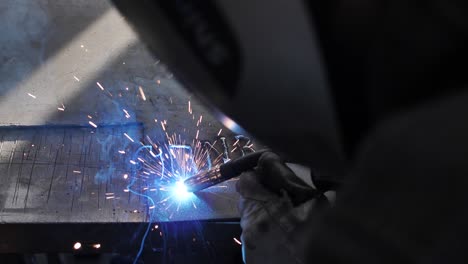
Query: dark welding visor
point(256, 63)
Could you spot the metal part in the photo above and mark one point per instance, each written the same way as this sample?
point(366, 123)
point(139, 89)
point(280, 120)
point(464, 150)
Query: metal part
point(226, 157)
point(244, 147)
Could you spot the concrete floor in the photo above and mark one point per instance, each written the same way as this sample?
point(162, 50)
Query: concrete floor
point(75, 62)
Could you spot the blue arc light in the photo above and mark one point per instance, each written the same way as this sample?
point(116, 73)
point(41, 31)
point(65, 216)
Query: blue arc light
point(180, 191)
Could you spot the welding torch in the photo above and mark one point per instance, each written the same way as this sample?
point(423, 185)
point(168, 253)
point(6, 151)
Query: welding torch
point(223, 172)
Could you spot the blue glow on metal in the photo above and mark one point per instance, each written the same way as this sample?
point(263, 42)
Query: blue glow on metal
point(183, 166)
point(229, 123)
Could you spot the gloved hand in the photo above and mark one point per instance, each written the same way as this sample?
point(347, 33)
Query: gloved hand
point(274, 206)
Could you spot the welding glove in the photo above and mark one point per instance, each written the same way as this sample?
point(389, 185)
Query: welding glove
point(275, 204)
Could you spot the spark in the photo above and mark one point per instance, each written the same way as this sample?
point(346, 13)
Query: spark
point(142, 93)
point(127, 115)
point(32, 95)
point(92, 124)
point(61, 109)
point(76, 78)
point(110, 197)
point(129, 138)
point(237, 241)
point(100, 86)
point(77, 246)
point(90, 117)
point(158, 81)
point(97, 246)
point(163, 169)
point(77, 171)
point(81, 46)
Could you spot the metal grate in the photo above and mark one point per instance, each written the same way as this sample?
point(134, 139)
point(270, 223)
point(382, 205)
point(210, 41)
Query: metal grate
point(76, 174)
point(55, 174)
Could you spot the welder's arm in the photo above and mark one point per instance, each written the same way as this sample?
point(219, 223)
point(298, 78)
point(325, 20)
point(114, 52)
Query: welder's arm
point(274, 205)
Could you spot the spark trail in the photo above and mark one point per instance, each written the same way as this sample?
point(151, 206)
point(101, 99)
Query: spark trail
point(159, 167)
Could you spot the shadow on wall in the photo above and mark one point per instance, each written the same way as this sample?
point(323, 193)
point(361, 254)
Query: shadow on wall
point(45, 53)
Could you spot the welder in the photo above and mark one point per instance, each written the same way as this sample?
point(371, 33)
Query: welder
point(372, 95)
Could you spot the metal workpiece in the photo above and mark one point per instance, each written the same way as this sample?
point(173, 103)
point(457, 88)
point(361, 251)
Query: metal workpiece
point(61, 174)
point(76, 105)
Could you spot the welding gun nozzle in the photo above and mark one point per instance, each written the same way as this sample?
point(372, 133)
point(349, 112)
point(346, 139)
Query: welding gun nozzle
point(204, 180)
point(223, 172)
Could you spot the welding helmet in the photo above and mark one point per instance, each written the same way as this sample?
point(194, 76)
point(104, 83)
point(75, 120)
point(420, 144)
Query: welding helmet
point(310, 78)
point(255, 63)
